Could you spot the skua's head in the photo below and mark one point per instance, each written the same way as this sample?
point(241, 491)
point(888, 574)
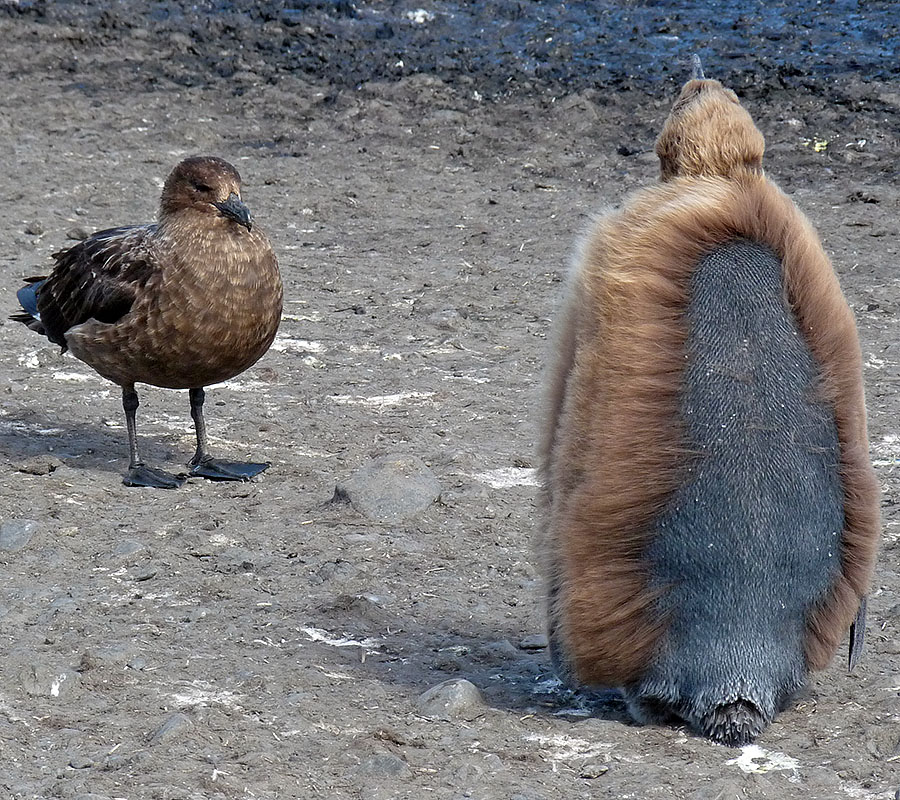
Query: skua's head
point(207, 185)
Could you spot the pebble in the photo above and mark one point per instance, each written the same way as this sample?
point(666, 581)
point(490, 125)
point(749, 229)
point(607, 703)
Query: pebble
point(385, 765)
point(15, 534)
point(449, 319)
point(143, 574)
point(721, 790)
point(591, 771)
point(390, 488)
point(451, 700)
point(534, 643)
point(34, 228)
point(172, 727)
point(128, 547)
point(496, 653)
point(45, 680)
point(77, 233)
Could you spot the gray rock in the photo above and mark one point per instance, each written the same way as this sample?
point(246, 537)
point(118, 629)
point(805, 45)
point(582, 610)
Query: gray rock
point(591, 771)
point(448, 319)
point(15, 534)
point(452, 700)
point(390, 488)
point(384, 765)
point(141, 574)
point(128, 547)
point(725, 789)
point(497, 653)
point(130, 761)
point(77, 233)
point(39, 465)
point(534, 643)
point(45, 680)
point(34, 228)
point(175, 725)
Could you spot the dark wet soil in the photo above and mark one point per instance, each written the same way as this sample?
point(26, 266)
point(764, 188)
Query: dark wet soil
point(498, 47)
point(424, 173)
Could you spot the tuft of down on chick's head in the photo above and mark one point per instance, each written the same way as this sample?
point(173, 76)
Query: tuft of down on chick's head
point(709, 134)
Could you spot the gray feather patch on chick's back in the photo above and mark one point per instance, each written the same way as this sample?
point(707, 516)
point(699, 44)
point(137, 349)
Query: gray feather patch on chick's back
point(751, 541)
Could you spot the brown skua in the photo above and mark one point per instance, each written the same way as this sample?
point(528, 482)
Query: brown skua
point(191, 300)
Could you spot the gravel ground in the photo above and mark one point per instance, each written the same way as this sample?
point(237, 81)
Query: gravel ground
point(424, 173)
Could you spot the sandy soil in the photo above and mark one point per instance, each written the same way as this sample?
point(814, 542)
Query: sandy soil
point(255, 641)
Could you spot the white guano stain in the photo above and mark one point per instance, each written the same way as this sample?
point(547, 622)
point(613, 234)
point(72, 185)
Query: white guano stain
point(200, 693)
point(756, 760)
point(286, 344)
point(57, 684)
point(420, 16)
point(241, 386)
point(74, 377)
point(559, 747)
point(888, 448)
point(324, 637)
point(29, 360)
point(379, 402)
point(507, 477)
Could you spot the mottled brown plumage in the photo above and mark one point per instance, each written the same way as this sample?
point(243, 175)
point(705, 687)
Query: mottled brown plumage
point(192, 300)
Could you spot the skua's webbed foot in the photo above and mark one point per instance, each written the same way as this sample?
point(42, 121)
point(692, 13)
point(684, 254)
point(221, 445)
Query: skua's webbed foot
point(142, 475)
point(217, 470)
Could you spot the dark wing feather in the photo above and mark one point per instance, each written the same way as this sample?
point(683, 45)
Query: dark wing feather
point(98, 278)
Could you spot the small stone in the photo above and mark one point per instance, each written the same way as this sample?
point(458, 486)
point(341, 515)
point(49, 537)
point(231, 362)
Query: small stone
point(39, 465)
point(860, 195)
point(127, 547)
point(385, 765)
point(81, 762)
point(496, 653)
point(449, 319)
point(724, 789)
point(532, 644)
point(77, 233)
point(390, 488)
point(172, 727)
point(45, 680)
point(15, 534)
point(119, 760)
point(591, 771)
point(114, 654)
point(494, 763)
point(450, 700)
point(34, 228)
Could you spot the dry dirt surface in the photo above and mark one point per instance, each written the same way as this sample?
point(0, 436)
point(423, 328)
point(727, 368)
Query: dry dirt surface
point(423, 173)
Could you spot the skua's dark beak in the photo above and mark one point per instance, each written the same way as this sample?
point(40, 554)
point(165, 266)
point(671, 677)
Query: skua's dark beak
point(234, 208)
